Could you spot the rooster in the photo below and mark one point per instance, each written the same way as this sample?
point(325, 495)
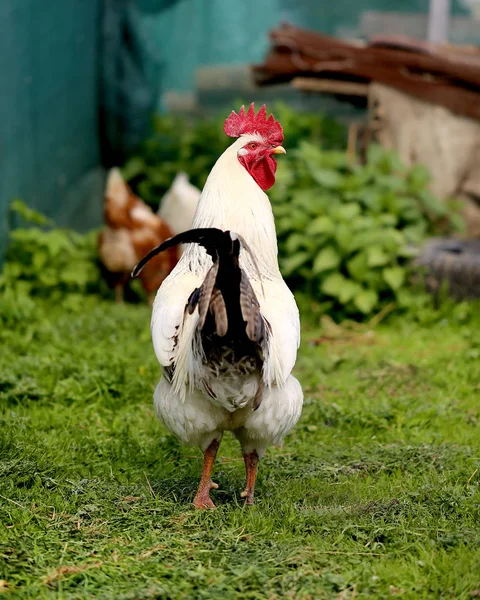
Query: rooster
point(225, 327)
point(132, 229)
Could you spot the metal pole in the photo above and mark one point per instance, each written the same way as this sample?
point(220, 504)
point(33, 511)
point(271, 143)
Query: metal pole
point(438, 19)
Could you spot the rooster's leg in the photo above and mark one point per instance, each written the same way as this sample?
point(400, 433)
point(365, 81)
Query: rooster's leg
point(202, 498)
point(251, 462)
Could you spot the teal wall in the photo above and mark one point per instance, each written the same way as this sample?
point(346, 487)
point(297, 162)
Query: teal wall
point(49, 150)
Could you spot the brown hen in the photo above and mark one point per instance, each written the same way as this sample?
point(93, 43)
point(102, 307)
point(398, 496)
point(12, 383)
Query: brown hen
point(131, 230)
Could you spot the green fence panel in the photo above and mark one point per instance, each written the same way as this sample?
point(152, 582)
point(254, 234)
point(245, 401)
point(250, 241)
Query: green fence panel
point(49, 148)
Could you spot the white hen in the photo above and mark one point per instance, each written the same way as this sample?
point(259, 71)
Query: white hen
point(215, 382)
point(178, 205)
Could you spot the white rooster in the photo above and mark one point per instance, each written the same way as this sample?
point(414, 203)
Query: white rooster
point(225, 326)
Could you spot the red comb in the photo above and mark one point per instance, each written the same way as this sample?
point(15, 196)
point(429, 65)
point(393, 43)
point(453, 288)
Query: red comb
point(236, 125)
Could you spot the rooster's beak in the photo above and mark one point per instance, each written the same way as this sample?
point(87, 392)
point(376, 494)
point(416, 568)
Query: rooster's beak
point(279, 150)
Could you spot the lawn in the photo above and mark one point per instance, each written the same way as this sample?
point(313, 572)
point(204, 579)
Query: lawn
point(375, 494)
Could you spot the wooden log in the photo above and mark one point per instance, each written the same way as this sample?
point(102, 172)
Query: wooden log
point(330, 86)
point(459, 66)
point(283, 66)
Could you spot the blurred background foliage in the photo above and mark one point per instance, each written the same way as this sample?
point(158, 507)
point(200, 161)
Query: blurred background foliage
point(47, 261)
point(347, 230)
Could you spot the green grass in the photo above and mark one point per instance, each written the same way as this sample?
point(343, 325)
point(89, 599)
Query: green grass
point(375, 493)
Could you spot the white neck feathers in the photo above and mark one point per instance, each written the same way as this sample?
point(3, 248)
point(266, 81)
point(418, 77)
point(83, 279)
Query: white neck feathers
point(232, 200)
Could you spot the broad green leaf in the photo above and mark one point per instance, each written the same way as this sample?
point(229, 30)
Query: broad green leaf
point(369, 197)
point(79, 273)
point(281, 209)
point(391, 203)
point(294, 242)
point(458, 222)
point(292, 263)
point(39, 258)
point(365, 301)
point(431, 203)
point(377, 257)
point(418, 177)
point(358, 266)
point(285, 175)
point(326, 259)
point(394, 276)
point(58, 242)
point(333, 284)
point(13, 270)
point(299, 219)
point(335, 160)
point(48, 277)
point(387, 219)
point(283, 225)
point(322, 224)
point(134, 167)
point(408, 251)
point(386, 237)
point(340, 287)
point(349, 290)
point(343, 235)
point(327, 178)
point(312, 201)
point(363, 222)
point(391, 182)
point(29, 214)
point(374, 280)
point(414, 234)
point(309, 152)
point(346, 212)
point(146, 189)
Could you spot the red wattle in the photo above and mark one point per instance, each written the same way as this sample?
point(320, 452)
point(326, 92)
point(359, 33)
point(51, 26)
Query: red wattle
point(262, 171)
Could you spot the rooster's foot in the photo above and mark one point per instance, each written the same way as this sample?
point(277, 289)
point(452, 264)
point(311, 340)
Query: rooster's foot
point(202, 499)
point(248, 495)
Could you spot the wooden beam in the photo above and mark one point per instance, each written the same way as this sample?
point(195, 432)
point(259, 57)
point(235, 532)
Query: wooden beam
point(330, 86)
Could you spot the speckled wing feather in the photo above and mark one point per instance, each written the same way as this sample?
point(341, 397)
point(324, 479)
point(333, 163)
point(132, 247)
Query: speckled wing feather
point(251, 311)
point(219, 311)
point(206, 294)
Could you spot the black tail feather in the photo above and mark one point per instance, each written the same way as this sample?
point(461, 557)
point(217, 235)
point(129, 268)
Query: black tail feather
point(214, 293)
point(211, 238)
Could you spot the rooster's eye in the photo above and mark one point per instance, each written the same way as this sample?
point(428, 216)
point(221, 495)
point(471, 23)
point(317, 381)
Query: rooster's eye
point(252, 146)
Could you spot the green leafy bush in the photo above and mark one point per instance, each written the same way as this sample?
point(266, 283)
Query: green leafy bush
point(347, 231)
point(49, 262)
point(193, 146)
point(178, 144)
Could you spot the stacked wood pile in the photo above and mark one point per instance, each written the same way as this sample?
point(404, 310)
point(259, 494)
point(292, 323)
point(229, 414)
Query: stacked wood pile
point(423, 99)
point(444, 75)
